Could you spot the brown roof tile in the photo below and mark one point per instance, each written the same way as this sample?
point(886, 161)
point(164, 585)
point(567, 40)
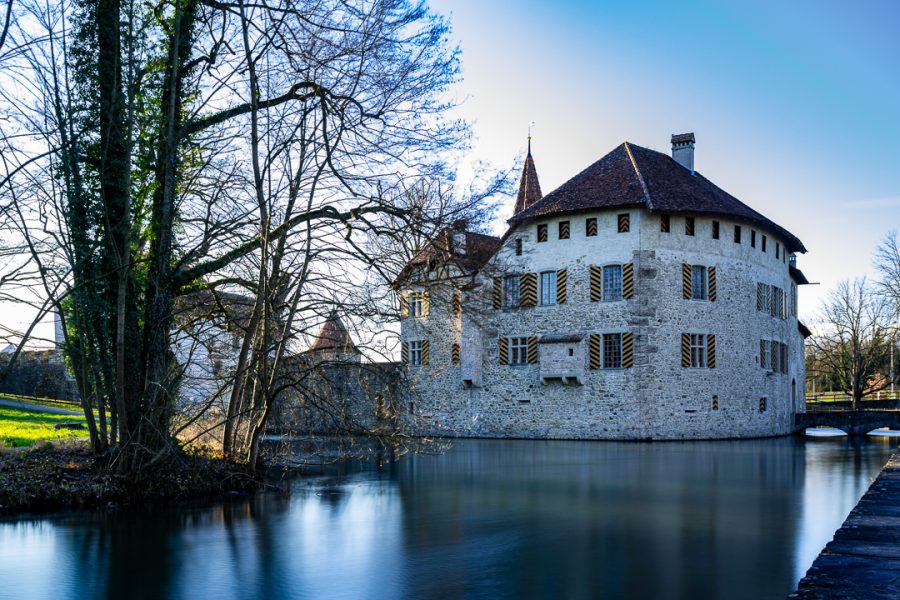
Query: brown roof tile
point(634, 176)
point(529, 186)
point(333, 337)
point(479, 248)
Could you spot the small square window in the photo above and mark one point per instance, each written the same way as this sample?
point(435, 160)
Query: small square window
point(715, 402)
point(715, 230)
point(777, 250)
point(689, 226)
point(698, 350)
point(518, 351)
point(763, 243)
point(415, 352)
point(752, 238)
point(762, 405)
point(737, 234)
point(571, 351)
point(542, 232)
point(664, 223)
point(590, 226)
point(563, 230)
point(518, 246)
point(624, 223)
point(417, 304)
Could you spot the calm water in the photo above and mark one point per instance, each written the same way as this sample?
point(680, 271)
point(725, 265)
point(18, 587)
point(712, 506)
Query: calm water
point(486, 519)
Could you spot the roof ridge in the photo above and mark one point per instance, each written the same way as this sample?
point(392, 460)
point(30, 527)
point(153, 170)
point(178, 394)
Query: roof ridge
point(639, 176)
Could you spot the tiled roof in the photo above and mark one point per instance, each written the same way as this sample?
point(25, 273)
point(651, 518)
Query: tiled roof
point(479, 248)
point(634, 176)
point(529, 186)
point(333, 337)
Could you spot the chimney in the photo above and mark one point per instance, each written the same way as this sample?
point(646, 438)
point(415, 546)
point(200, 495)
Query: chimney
point(683, 150)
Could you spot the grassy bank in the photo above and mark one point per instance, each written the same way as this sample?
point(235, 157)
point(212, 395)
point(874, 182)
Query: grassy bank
point(22, 427)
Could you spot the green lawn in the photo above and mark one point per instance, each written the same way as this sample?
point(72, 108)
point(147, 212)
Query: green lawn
point(20, 427)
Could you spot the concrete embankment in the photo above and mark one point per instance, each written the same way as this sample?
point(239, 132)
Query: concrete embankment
point(863, 559)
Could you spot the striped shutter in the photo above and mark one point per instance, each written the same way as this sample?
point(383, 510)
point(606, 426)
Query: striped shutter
point(591, 226)
point(685, 350)
point(711, 276)
point(783, 305)
point(784, 367)
point(627, 350)
point(532, 350)
point(686, 281)
point(425, 346)
point(624, 223)
point(760, 296)
point(404, 305)
point(762, 353)
point(528, 289)
point(504, 351)
point(404, 353)
point(497, 297)
point(457, 303)
point(596, 284)
point(775, 354)
point(426, 303)
point(454, 354)
point(562, 278)
point(563, 230)
point(711, 351)
point(594, 351)
point(628, 281)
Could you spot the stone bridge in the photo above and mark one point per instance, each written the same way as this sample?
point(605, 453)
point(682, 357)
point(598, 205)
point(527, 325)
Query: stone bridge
point(852, 422)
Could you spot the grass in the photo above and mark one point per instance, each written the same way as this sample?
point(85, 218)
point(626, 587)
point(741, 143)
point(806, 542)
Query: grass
point(21, 427)
point(64, 404)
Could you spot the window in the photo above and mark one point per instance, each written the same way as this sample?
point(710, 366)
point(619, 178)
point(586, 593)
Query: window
point(518, 246)
point(765, 354)
point(689, 226)
point(417, 304)
point(415, 352)
point(698, 350)
point(664, 223)
point(737, 234)
point(698, 282)
point(778, 309)
point(590, 226)
point(612, 283)
point(511, 291)
point(542, 232)
point(715, 230)
point(793, 299)
point(762, 404)
point(777, 250)
point(715, 402)
point(752, 239)
point(518, 351)
point(624, 223)
point(563, 230)
point(763, 243)
point(612, 350)
point(774, 357)
point(548, 287)
point(773, 293)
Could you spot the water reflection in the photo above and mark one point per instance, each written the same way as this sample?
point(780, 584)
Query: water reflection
point(487, 519)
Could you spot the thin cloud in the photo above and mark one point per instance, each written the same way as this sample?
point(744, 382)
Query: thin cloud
point(884, 202)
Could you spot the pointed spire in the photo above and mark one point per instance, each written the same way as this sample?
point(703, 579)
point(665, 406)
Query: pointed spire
point(333, 337)
point(529, 186)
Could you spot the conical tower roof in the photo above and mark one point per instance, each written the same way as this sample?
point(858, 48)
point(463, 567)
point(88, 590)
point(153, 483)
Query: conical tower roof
point(333, 337)
point(529, 186)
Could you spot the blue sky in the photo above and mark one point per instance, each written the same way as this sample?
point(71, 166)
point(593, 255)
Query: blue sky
point(795, 105)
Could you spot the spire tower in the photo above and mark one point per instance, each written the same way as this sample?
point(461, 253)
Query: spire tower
point(529, 186)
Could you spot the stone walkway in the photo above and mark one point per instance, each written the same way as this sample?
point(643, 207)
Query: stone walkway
point(863, 559)
point(39, 408)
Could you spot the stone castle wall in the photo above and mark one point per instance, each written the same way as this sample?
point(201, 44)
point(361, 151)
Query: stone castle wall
point(655, 399)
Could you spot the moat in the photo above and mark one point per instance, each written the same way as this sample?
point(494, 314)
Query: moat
point(484, 519)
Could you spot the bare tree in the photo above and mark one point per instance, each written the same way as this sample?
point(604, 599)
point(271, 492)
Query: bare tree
point(887, 261)
point(852, 341)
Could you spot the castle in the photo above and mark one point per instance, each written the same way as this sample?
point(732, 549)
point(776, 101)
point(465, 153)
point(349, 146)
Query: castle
point(636, 301)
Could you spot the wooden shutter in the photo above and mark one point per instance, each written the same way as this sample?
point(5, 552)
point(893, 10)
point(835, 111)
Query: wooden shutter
point(628, 281)
point(404, 305)
point(774, 356)
point(762, 354)
point(404, 353)
point(711, 351)
point(591, 227)
point(528, 289)
point(686, 281)
point(594, 351)
point(563, 230)
point(562, 278)
point(504, 351)
point(627, 350)
point(596, 283)
point(425, 346)
point(532, 350)
point(760, 296)
point(783, 305)
point(624, 223)
point(685, 350)
point(454, 353)
point(783, 365)
point(711, 277)
point(457, 303)
point(497, 297)
point(426, 303)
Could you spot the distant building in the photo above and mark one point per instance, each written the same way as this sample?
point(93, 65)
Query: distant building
point(636, 301)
